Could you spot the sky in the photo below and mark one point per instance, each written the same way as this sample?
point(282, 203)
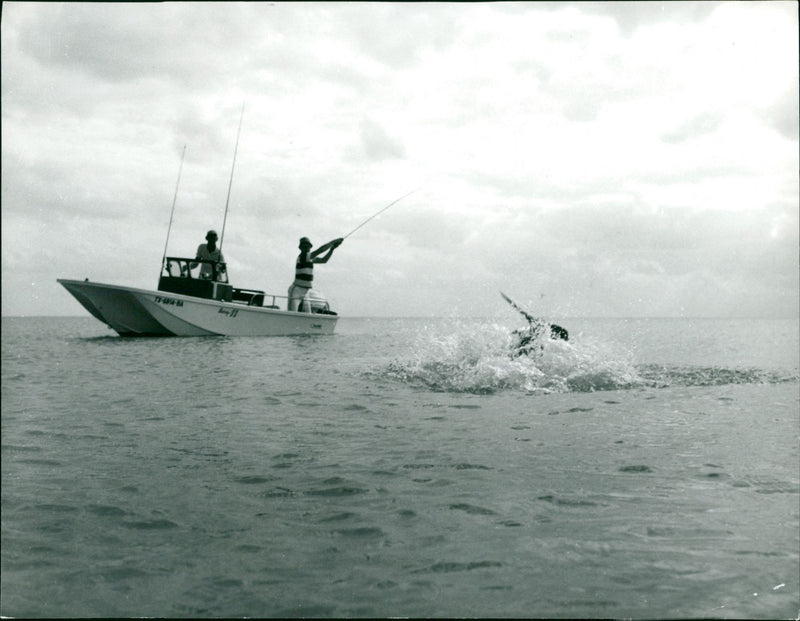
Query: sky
point(588, 159)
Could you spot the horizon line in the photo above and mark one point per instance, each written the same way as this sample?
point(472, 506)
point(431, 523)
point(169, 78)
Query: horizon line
point(560, 317)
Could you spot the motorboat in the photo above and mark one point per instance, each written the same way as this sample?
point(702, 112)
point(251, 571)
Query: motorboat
point(193, 300)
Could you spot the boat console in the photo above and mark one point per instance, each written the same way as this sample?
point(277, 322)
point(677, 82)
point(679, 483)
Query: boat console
point(185, 276)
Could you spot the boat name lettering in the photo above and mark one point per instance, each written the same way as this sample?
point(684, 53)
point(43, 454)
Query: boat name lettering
point(168, 301)
point(229, 312)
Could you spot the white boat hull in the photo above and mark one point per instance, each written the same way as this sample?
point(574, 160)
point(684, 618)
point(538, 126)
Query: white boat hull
point(139, 312)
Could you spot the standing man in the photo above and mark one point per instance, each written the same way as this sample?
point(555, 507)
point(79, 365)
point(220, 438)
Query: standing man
point(208, 252)
point(304, 268)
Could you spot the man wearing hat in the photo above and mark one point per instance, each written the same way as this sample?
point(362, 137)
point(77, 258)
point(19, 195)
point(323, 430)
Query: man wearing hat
point(304, 268)
point(208, 252)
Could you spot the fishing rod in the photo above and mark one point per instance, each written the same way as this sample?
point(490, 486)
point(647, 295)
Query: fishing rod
point(379, 213)
point(230, 182)
point(172, 213)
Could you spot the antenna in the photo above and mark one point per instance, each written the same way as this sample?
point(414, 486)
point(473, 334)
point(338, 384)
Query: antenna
point(172, 213)
point(230, 183)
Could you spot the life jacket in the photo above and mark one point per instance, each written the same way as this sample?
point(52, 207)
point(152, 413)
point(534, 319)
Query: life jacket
point(304, 271)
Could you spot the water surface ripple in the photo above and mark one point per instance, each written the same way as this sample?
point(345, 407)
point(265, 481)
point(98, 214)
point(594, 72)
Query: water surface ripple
point(647, 469)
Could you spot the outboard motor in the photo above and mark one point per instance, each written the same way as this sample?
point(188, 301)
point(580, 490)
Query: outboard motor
point(315, 302)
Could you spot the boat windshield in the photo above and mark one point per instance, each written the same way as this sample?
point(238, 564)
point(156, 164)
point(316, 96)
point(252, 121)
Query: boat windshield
point(176, 267)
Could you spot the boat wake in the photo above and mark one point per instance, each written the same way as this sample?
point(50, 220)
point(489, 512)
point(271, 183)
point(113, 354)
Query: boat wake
point(477, 359)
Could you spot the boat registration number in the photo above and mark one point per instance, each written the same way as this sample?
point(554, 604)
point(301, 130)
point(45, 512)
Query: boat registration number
point(168, 301)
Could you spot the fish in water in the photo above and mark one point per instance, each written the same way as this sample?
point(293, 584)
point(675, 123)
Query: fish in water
point(531, 339)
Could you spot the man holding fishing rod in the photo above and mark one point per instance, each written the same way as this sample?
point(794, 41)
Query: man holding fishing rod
point(304, 268)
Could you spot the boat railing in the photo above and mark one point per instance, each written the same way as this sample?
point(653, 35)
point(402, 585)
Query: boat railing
point(306, 304)
point(255, 297)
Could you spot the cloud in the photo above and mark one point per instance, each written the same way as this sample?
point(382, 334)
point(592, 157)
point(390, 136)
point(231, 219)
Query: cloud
point(782, 114)
point(705, 123)
point(600, 158)
point(632, 15)
point(122, 44)
point(377, 144)
point(430, 30)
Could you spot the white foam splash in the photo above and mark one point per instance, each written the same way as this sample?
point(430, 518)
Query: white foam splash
point(476, 358)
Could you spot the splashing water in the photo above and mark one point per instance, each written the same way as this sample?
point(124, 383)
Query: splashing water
point(476, 358)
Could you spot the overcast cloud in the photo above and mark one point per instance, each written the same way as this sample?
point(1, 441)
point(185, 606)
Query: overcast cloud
point(589, 159)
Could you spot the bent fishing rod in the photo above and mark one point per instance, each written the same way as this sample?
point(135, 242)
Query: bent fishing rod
point(338, 241)
point(376, 214)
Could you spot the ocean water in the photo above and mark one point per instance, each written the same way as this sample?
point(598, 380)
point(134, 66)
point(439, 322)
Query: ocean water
point(402, 467)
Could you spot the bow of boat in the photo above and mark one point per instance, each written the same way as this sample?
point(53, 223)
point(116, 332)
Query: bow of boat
point(118, 307)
